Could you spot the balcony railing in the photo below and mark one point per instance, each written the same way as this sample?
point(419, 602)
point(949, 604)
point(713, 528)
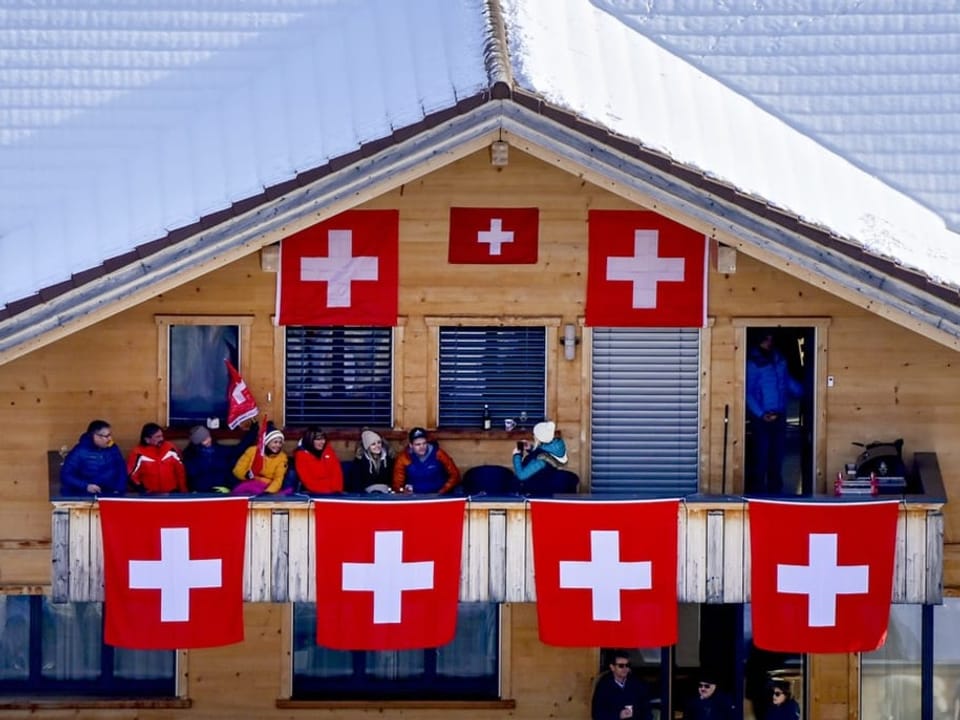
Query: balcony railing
point(497, 561)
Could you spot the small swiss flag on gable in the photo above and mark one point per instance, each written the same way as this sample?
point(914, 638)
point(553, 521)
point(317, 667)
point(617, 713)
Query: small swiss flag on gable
point(644, 270)
point(343, 271)
point(504, 236)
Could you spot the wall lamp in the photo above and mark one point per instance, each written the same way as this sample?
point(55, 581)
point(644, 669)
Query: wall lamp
point(499, 153)
point(570, 341)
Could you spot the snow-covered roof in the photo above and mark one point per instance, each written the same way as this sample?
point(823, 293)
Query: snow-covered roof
point(125, 121)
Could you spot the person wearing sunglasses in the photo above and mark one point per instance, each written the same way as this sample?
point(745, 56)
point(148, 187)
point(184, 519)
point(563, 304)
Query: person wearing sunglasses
point(95, 465)
point(782, 704)
point(619, 695)
point(710, 703)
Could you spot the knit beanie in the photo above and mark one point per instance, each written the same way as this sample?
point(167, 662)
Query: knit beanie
point(271, 436)
point(544, 432)
point(198, 433)
point(368, 438)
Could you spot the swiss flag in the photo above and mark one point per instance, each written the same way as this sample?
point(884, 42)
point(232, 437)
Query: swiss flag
point(240, 403)
point(606, 572)
point(173, 572)
point(395, 583)
point(342, 271)
point(644, 270)
point(504, 236)
point(821, 575)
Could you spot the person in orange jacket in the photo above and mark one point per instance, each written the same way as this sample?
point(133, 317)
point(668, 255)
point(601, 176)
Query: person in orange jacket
point(155, 465)
point(424, 467)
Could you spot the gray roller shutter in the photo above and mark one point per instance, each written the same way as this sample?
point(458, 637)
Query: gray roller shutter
point(644, 411)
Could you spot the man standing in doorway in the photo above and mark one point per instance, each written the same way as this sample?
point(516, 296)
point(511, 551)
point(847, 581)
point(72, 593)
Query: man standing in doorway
point(618, 695)
point(769, 389)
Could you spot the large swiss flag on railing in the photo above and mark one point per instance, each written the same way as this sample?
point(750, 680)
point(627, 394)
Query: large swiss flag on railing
point(821, 574)
point(606, 572)
point(388, 573)
point(173, 571)
point(343, 271)
point(644, 270)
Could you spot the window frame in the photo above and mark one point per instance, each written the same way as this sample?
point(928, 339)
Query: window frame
point(554, 350)
point(396, 369)
point(503, 684)
point(106, 686)
point(164, 323)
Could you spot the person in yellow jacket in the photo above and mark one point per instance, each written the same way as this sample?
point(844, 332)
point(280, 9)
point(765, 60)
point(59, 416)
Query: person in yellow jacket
point(271, 475)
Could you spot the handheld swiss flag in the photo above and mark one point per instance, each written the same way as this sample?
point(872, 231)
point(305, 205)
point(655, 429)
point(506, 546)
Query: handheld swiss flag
point(240, 403)
point(173, 572)
point(821, 575)
point(395, 584)
point(606, 572)
point(644, 270)
point(504, 236)
point(342, 271)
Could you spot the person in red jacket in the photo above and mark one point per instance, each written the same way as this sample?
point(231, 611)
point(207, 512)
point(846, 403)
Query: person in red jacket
point(316, 463)
point(155, 465)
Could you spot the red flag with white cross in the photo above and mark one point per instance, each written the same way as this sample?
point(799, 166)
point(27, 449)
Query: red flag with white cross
point(173, 571)
point(342, 271)
point(821, 575)
point(644, 270)
point(394, 584)
point(606, 572)
point(500, 236)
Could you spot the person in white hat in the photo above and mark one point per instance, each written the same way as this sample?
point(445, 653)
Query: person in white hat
point(535, 464)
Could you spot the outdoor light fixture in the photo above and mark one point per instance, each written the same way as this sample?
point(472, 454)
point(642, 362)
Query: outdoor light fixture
point(570, 342)
point(499, 153)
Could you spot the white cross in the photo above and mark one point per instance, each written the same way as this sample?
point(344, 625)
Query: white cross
point(645, 269)
point(340, 268)
point(823, 579)
point(175, 574)
point(604, 575)
point(387, 576)
point(496, 236)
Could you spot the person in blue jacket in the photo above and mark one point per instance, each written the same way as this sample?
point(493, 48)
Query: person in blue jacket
point(539, 466)
point(769, 388)
point(95, 465)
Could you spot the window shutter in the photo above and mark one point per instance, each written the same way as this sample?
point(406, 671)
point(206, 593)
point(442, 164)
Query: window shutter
point(645, 418)
point(339, 376)
point(503, 367)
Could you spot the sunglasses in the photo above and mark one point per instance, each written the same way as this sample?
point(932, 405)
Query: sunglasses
point(706, 685)
point(778, 693)
point(622, 665)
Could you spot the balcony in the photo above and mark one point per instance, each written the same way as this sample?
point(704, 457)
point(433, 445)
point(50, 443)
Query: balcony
point(713, 559)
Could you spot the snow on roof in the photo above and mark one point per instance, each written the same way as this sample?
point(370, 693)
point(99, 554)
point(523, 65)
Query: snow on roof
point(122, 120)
point(596, 60)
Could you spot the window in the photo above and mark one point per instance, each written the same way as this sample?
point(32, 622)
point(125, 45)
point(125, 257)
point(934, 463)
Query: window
point(503, 367)
point(57, 648)
point(466, 669)
point(339, 376)
point(192, 372)
point(891, 677)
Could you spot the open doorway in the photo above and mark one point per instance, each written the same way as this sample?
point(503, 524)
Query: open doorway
point(780, 381)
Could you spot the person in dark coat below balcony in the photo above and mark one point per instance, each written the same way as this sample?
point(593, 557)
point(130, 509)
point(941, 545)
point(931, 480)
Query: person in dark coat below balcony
point(618, 695)
point(372, 468)
point(425, 467)
point(155, 465)
point(711, 703)
point(536, 464)
point(782, 705)
point(769, 388)
point(209, 464)
point(95, 465)
point(316, 464)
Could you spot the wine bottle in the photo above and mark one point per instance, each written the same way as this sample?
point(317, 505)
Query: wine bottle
point(487, 421)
